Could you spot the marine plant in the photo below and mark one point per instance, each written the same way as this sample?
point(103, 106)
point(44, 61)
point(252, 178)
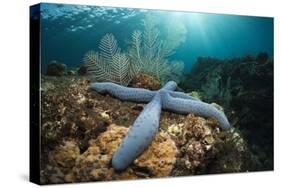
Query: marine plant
point(110, 64)
point(148, 54)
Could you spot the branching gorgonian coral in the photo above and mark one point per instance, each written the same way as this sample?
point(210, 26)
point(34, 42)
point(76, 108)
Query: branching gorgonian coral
point(109, 64)
point(148, 54)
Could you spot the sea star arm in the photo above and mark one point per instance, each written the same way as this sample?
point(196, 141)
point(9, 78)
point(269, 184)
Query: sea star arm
point(200, 108)
point(139, 136)
point(171, 85)
point(123, 93)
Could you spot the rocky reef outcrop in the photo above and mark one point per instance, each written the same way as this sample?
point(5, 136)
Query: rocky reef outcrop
point(56, 68)
point(81, 130)
point(145, 81)
point(82, 70)
point(244, 87)
point(202, 144)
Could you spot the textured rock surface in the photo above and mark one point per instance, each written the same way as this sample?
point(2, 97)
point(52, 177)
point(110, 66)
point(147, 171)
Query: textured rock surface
point(73, 117)
point(82, 70)
point(56, 69)
point(65, 154)
point(201, 142)
point(145, 81)
point(61, 160)
point(95, 163)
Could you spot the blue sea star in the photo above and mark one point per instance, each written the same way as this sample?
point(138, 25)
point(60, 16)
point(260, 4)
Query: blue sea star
point(146, 125)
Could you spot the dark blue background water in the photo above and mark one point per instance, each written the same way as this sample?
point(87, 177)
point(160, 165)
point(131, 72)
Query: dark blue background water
point(69, 31)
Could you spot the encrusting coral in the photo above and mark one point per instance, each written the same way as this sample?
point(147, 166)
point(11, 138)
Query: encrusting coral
point(201, 145)
point(94, 164)
point(145, 81)
point(61, 160)
point(65, 154)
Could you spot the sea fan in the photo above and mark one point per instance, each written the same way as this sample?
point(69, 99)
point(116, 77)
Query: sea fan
point(148, 54)
point(110, 64)
point(135, 53)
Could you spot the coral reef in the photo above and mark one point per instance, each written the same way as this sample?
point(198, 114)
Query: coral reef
point(202, 144)
point(145, 81)
point(77, 123)
point(64, 155)
point(61, 160)
point(244, 87)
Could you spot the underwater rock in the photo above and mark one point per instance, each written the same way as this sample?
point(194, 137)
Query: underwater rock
point(145, 81)
point(70, 72)
point(160, 156)
point(65, 154)
point(52, 174)
point(50, 131)
point(45, 86)
point(61, 160)
point(200, 143)
point(82, 71)
point(262, 57)
point(195, 94)
point(75, 119)
point(56, 69)
point(231, 153)
point(194, 127)
point(94, 164)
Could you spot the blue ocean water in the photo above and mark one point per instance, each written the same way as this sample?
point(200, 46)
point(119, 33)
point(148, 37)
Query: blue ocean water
point(69, 31)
